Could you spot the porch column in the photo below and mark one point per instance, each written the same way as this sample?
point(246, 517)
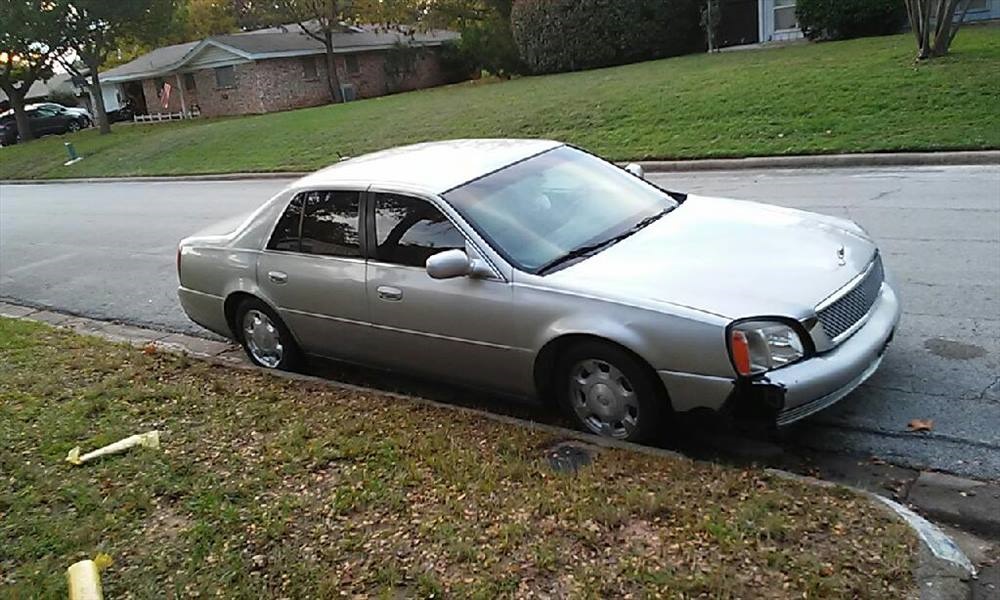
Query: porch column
point(761, 29)
point(180, 89)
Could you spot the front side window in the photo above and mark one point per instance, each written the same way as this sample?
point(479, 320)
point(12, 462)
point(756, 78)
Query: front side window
point(286, 232)
point(408, 231)
point(330, 225)
point(225, 77)
point(542, 211)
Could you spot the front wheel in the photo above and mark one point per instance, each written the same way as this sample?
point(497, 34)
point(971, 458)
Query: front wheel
point(265, 338)
point(610, 392)
point(73, 127)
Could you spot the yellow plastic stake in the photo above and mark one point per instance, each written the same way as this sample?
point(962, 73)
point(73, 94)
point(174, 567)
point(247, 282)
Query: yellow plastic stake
point(146, 440)
point(84, 581)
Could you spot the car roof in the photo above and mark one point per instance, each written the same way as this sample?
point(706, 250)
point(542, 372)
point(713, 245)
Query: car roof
point(433, 167)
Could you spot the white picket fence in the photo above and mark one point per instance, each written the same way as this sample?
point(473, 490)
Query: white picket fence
point(160, 117)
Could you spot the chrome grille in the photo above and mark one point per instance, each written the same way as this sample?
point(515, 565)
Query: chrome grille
point(855, 304)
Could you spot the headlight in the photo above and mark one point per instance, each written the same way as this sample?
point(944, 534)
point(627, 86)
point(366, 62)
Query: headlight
point(760, 346)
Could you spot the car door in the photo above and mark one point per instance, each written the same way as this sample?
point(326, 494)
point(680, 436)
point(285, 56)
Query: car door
point(459, 329)
point(44, 120)
point(313, 271)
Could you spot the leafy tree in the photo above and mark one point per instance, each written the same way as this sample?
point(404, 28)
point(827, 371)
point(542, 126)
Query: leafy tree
point(29, 37)
point(204, 18)
point(487, 40)
point(94, 29)
point(934, 24)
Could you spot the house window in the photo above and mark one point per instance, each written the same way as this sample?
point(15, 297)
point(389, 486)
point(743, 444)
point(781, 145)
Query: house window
point(225, 77)
point(309, 67)
point(784, 15)
point(978, 5)
point(351, 60)
point(189, 84)
point(159, 83)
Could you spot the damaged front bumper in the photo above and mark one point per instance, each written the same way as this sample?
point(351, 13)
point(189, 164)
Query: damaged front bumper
point(797, 391)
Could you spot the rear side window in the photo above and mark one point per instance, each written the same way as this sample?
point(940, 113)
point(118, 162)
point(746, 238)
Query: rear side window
point(408, 231)
point(330, 226)
point(286, 232)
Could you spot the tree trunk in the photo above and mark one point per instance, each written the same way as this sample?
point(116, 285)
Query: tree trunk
point(935, 24)
point(97, 96)
point(16, 97)
point(925, 28)
point(332, 78)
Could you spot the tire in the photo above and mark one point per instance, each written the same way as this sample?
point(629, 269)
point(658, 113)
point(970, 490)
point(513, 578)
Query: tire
point(72, 127)
point(610, 392)
point(273, 347)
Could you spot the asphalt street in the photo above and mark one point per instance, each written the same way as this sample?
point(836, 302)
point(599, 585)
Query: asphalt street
point(107, 250)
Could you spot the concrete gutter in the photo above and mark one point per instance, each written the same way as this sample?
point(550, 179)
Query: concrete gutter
point(819, 161)
point(943, 571)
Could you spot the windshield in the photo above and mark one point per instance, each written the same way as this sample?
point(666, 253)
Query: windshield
point(537, 212)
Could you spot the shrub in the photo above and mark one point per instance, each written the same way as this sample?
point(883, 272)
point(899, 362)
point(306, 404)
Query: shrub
point(844, 19)
point(489, 46)
point(568, 35)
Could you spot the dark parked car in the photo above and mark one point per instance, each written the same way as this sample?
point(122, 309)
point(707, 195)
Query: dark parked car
point(45, 119)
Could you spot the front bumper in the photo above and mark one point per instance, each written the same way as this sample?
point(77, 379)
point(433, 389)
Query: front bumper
point(797, 391)
point(794, 392)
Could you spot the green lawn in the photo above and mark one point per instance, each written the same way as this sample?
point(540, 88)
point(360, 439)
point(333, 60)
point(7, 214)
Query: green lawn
point(855, 96)
point(268, 488)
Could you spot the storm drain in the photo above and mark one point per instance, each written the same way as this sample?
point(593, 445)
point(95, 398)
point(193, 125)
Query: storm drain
point(569, 457)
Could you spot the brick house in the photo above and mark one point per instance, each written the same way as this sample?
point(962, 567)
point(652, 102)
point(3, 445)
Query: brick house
point(278, 69)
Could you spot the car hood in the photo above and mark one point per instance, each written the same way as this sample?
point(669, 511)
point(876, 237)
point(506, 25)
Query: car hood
point(727, 257)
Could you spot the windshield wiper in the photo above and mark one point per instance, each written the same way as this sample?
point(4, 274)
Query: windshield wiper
point(592, 248)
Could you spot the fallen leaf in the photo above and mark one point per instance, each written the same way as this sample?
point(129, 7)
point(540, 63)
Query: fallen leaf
point(149, 349)
point(921, 425)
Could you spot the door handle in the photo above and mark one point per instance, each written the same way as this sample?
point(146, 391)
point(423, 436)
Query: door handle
point(277, 276)
point(389, 293)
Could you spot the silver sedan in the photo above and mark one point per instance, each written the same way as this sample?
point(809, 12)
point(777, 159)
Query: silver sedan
point(534, 268)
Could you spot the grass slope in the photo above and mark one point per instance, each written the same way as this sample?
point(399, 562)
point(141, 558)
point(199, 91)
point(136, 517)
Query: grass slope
point(855, 96)
point(266, 487)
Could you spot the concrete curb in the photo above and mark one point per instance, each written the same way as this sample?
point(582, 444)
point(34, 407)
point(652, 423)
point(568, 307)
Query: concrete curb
point(829, 161)
point(943, 570)
point(819, 161)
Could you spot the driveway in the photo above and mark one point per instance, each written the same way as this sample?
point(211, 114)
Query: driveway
point(106, 250)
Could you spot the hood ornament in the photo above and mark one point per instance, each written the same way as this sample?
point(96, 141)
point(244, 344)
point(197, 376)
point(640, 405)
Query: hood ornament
point(841, 256)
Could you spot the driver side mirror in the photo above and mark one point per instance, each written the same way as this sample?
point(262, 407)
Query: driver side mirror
point(455, 263)
point(636, 169)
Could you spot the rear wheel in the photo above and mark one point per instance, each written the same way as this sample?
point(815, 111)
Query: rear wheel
point(265, 338)
point(610, 392)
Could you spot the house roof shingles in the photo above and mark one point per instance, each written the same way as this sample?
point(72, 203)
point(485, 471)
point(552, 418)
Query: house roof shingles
point(151, 62)
point(255, 45)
